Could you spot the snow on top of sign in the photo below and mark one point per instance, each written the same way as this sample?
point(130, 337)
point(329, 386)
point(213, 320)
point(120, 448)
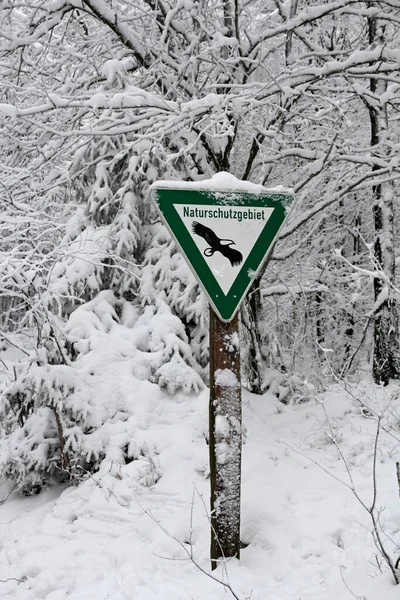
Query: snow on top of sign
point(220, 182)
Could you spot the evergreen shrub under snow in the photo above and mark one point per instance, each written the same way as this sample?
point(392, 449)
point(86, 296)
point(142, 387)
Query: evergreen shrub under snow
point(118, 318)
point(64, 420)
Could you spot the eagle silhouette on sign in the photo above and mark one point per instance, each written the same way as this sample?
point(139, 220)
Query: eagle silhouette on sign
point(217, 244)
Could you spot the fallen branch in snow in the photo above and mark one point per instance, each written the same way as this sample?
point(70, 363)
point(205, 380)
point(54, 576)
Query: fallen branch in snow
point(190, 556)
point(189, 553)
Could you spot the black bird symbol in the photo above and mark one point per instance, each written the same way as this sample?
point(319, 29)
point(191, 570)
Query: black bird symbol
point(216, 244)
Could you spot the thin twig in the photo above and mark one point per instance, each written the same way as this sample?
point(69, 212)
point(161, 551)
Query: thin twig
point(347, 587)
point(9, 494)
point(12, 579)
point(2, 335)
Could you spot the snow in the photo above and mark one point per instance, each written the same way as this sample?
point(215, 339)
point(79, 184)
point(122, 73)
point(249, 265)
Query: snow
point(8, 110)
point(225, 378)
point(57, 100)
point(128, 532)
point(131, 97)
point(82, 259)
point(231, 341)
point(221, 182)
point(113, 68)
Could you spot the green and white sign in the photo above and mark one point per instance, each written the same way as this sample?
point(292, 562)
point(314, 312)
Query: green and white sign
point(225, 235)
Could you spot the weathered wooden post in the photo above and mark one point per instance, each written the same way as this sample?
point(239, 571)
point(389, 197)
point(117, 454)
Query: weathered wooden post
point(225, 438)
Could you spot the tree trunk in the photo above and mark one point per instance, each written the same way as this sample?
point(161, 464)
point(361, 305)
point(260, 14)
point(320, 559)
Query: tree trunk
point(252, 312)
point(386, 358)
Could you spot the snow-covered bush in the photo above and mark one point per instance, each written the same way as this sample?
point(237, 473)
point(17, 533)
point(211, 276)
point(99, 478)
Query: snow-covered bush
point(164, 271)
point(64, 420)
point(113, 279)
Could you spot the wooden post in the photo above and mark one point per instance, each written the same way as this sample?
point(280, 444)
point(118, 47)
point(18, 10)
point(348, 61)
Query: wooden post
point(225, 438)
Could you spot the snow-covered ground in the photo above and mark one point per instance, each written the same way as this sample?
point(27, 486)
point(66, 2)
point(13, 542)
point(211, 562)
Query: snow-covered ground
point(118, 536)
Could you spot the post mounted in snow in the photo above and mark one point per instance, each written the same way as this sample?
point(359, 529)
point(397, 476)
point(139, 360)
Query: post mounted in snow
point(225, 438)
point(225, 228)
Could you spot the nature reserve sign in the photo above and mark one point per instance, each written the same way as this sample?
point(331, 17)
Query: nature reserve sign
point(225, 228)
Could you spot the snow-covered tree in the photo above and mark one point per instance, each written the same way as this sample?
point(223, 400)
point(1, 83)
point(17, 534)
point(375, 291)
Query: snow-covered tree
point(99, 99)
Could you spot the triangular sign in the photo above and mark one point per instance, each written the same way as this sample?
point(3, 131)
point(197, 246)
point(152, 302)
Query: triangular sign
point(224, 234)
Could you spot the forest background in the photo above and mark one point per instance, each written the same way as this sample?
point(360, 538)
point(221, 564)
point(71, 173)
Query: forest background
point(98, 99)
